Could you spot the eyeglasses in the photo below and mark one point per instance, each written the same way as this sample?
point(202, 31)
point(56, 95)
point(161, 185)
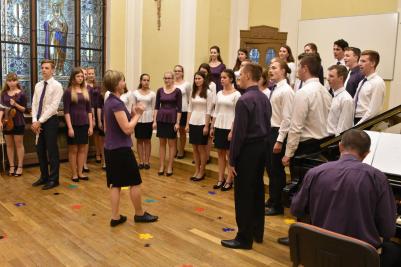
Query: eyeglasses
point(167, 78)
point(178, 71)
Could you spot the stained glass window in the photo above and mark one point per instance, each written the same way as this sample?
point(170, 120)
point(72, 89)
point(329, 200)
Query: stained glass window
point(254, 55)
point(62, 33)
point(270, 54)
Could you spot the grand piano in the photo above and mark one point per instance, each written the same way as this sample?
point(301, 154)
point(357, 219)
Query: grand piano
point(329, 151)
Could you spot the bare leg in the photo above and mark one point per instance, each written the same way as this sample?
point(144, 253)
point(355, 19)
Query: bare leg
point(101, 145)
point(96, 139)
point(82, 149)
point(162, 153)
point(85, 156)
point(135, 194)
point(10, 151)
point(203, 158)
point(196, 159)
point(147, 145)
point(182, 142)
point(72, 158)
point(222, 163)
point(115, 202)
point(172, 145)
point(140, 145)
point(208, 148)
point(230, 175)
point(19, 145)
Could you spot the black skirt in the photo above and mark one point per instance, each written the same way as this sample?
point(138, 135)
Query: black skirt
point(80, 135)
point(183, 120)
point(143, 130)
point(221, 138)
point(166, 130)
point(196, 136)
point(121, 168)
point(17, 130)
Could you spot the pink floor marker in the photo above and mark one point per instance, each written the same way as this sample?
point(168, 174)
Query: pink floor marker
point(200, 209)
point(76, 206)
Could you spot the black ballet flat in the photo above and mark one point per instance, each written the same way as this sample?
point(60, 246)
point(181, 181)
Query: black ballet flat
point(146, 166)
point(224, 188)
point(18, 174)
point(141, 166)
point(197, 179)
point(11, 173)
point(114, 223)
point(84, 178)
point(98, 161)
point(75, 180)
point(85, 170)
point(219, 184)
point(169, 173)
point(160, 173)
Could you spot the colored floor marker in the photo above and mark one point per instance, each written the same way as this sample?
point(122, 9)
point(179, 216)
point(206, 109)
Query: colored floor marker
point(149, 200)
point(164, 197)
point(219, 217)
point(289, 221)
point(200, 209)
point(56, 193)
point(147, 245)
point(72, 186)
point(76, 206)
point(93, 214)
point(227, 229)
point(211, 193)
point(145, 236)
point(20, 204)
point(3, 236)
point(125, 188)
point(187, 265)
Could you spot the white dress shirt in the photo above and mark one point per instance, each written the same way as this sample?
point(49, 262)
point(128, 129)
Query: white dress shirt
point(199, 108)
point(370, 97)
point(282, 99)
point(224, 111)
point(51, 101)
point(149, 101)
point(128, 99)
point(293, 75)
point(267, 92)
point(309, 115)
point(341, 114)
point(186, 89)
point(342, 62)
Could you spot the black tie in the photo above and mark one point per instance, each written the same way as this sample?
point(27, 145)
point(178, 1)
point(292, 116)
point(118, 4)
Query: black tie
point(331, 92)
point(300, 85)
point(42, 96)
point(338, 63)
point(358, 91)
point(271, 91)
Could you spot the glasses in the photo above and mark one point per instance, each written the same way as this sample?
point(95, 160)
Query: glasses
point(167, 78)
point(178, 71)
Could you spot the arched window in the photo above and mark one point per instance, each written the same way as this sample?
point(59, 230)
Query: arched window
point(270, 54)
point(71, 33)
point(254, 55)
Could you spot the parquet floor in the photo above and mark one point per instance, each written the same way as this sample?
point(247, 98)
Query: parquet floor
point(70, 226)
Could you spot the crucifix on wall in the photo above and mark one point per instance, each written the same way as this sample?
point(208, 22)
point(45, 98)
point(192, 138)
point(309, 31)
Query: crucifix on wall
point(159, 13)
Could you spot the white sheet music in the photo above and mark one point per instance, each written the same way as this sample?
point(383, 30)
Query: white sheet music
point(374, 138)
point(387, 156)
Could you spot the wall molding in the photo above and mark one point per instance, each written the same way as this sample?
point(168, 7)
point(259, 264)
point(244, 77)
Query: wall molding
point(187, 43)
point(239, 20)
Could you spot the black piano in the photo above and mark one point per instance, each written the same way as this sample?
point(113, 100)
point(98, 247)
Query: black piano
point(329, 151)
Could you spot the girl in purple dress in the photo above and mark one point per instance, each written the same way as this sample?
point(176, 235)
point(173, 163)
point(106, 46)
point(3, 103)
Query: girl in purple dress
point(13, 97)
point(78, 118)
point(216, 66)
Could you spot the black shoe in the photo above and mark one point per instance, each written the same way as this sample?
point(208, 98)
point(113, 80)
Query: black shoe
point(145, 218)
point(75, 180)
point(85, 169)
point(284, 241)
point(169, 173)
point(235, 244)
point(146, 166)
point(104, 168)
point(50, 185)
point(40, 181)
point(226, 188)
point(258, 240)
point(180, 157)
point(274, 211)
point(218, 185)
point(84, 178)
point(114, 223)
point(160, 173)
point(197, 179)
point(140, 166)
point(208, 161)
point(11, 173)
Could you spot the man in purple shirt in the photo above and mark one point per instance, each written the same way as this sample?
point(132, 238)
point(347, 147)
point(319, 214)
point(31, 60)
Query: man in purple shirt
point(248, 151)
point(355, 75)
point(351, 198)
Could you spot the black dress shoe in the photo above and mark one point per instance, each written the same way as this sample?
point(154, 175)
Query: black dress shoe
point(145, 218)
point(284, 241)
point(274, 211)
point(114, 223)
point(40, 181)
point(50, 185)
point(235, 244)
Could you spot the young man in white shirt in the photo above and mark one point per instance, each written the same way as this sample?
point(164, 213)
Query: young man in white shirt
point(369, 96)
point(351, 58)
point(341, 114)
point(45, 102)
point(338, 51)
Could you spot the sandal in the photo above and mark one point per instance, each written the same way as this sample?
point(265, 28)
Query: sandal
point(11, 173)
point(16, 174)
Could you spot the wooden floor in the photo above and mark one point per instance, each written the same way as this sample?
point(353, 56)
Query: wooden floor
point(70, 226)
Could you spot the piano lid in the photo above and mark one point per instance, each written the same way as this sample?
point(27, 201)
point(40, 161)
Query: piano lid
point(379, 123)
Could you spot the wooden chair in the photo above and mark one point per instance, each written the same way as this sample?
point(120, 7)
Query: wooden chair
point(311, 246)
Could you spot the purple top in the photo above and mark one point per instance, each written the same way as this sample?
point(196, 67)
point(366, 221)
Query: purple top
point(115, 137)
point(252, 121)
point(215, 74)
point(95, 96)
point(20, 98)
point(348, 197)
point(78, 111)
point(168, 105)
point(355, 77)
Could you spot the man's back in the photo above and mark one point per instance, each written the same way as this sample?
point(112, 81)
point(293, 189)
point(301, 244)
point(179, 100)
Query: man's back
point(348, 197)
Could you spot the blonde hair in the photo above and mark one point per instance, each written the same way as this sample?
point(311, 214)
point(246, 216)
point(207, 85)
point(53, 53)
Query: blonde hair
point(111, 79)
point(72, 83)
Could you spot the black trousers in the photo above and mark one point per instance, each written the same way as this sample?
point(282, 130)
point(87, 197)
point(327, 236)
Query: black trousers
point(305, 147)
point(275, 170)
point(47, 150)
point(391, 254)
point(249, 192)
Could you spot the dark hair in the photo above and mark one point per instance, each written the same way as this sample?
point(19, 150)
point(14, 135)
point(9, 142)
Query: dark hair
point(265, 77)
point(10, 77)
point(341, 43)
point(356, 140)
point(208, 75)
point(312, 62)
point(51, 62)
point(231, 75)
point(341, 71)
point(373, 56)
point(355, 50)
point(74, 72)
point(290, 57)
point(181, 67)
point(301, 56)
point(238, 62)
point(205, 86)
point(312, 46)
point(218, 52)
point(255, 70)
point(140, 79)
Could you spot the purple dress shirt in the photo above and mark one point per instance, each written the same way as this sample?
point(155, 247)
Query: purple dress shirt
point(252, 121)
point(115, 137)
point(215, 74)
point(78, 111)
point(355, 77)
point(348, 197)
point(168, 105)
point(21, 100)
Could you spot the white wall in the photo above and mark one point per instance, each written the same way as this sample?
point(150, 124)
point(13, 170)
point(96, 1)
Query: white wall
point(289, 17)
point(395, 86)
